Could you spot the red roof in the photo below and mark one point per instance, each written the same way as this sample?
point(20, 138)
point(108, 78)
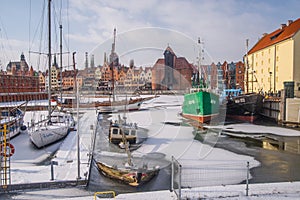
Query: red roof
point(285, 32)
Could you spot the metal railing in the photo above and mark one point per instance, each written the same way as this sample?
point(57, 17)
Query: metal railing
point(186, 175)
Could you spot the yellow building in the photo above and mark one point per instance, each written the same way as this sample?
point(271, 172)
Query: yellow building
point(275, 59)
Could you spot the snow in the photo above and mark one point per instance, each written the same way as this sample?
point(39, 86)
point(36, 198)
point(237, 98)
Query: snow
point(165, 138)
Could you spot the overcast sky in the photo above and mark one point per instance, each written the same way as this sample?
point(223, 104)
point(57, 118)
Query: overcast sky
point(144, 28)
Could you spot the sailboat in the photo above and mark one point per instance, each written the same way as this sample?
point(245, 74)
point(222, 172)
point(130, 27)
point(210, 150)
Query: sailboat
point(57, 124)
point(118, 105)
point(200, 104)
point(127, 172)
point(124, 135)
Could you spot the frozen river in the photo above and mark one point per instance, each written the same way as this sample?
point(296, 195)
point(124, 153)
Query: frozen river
point(168, 135)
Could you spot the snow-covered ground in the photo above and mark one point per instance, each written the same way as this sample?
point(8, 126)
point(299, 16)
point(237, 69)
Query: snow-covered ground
point(165, 138)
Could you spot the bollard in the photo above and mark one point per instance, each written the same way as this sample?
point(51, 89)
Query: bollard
point(247, 180)
point(52, 169)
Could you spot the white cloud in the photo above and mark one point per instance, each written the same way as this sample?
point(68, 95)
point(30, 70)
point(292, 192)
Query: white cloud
point(217, 22)
point(223, 25)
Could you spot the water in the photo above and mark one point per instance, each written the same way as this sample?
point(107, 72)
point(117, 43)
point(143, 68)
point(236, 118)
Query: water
point(279, 156)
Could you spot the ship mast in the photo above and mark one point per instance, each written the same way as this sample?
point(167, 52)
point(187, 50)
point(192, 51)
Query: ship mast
point(112, 62)
point(201, 72)
point(49, 59)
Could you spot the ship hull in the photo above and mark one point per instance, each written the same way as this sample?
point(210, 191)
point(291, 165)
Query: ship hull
point(14, 121)
point(244, 107)
point(132, 177)
point(201, 106)
point(45, 133)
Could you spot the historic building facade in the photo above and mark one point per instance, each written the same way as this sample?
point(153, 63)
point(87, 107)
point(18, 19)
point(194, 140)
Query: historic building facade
point(275, 59)
point(171, 72)
point(20, 83)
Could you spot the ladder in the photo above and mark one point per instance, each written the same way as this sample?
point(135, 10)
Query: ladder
point(5, 154)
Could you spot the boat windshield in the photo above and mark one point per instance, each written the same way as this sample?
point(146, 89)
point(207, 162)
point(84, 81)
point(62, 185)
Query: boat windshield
point(133, 132)
point(126, 131)
point(115, 131)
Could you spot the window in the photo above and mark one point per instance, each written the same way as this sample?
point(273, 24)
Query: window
point(277, 58)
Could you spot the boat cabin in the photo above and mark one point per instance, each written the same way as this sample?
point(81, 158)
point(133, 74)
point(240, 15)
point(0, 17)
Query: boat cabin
point(116, 134)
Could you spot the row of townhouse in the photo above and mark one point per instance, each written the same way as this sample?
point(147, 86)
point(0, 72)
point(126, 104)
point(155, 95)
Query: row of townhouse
point(92, 78)
point(170, 72)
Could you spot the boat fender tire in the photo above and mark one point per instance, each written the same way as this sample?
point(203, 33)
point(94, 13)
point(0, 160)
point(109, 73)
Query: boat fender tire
point(10, 150)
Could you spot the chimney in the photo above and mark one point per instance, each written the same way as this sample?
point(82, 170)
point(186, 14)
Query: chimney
point(283, 25)
point(289, 22)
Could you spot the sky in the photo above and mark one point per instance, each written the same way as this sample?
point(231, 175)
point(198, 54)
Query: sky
point(144, 29)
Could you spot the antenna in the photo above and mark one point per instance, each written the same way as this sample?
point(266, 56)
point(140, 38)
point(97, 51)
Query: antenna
point(247, 67)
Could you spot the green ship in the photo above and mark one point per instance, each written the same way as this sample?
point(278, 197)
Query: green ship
point(200, 105)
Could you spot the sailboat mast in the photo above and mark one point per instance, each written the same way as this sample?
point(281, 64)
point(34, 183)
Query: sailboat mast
point(49, 59)
point(113, 64)
point(60, 47)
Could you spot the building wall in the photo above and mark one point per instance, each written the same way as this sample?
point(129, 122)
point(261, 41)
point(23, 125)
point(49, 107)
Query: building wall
point(285, 63)
point(239, 73)
point(296, 63)
point(15, 84)
point(277, 59)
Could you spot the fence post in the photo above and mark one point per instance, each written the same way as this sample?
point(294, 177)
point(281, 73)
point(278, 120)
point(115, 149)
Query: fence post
point(179, 184)
point(172, 175)
point(247, 180)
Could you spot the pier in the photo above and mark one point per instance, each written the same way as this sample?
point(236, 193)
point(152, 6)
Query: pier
point(284, 112)
point(43, 185)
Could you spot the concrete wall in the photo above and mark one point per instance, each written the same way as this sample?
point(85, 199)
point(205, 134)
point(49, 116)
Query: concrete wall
point(293, 110)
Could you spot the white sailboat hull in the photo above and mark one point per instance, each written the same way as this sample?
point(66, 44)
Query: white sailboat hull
point(118, 108)
point(45, 133)
point(48, 134)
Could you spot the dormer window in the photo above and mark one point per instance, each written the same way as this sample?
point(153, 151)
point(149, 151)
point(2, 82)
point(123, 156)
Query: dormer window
point(276, 35)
